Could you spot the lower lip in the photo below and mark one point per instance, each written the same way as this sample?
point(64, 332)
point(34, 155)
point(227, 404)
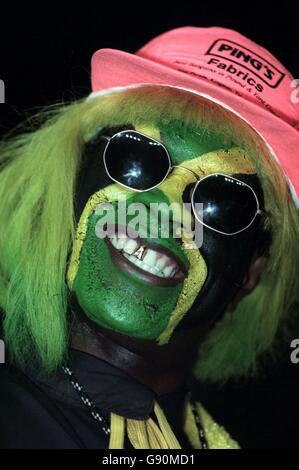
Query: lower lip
point(126, 266)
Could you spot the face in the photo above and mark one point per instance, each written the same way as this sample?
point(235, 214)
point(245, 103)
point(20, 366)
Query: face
point(149, 287)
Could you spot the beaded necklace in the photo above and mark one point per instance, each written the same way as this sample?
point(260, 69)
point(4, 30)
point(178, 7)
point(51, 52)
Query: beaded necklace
point(98, 416)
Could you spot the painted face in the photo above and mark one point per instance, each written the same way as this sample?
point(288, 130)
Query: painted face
point(146, 288)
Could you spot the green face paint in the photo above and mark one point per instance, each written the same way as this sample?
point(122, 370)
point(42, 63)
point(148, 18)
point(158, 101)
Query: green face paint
point(185, 143)
point(124, 301)
point(119, 300)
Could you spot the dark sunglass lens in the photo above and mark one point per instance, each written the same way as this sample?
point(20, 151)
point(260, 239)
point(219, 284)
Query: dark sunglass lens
point(136, 160)
point(228, 204)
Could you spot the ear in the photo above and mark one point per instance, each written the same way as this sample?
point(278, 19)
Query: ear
point(250, 281)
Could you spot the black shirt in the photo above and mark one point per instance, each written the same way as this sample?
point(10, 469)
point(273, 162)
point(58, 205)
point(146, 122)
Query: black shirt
point(47, 412)
point(38, 412)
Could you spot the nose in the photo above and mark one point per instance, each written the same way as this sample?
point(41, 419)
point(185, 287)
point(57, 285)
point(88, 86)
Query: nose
point(173, 188)
point(187, 169)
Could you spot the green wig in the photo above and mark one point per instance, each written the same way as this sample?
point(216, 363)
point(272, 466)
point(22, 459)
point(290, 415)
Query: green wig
point(39, 169)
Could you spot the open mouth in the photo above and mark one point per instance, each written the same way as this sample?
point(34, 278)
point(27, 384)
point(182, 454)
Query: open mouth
point(151, 262)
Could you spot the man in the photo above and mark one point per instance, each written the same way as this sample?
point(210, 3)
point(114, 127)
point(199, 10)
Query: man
point(104, 323)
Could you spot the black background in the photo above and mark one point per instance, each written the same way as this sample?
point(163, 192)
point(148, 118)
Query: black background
point(45, 47)
point(45, 51)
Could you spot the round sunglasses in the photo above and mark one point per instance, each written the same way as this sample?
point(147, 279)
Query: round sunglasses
point(138, 162)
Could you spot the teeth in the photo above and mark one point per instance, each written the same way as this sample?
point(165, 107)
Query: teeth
point(168, 271)
point(153, 270)
point(130, 246)
point(150, 257)
point(139, 253)
point(114, 242)
point(143, 266)
point(120, 243)
point(137, 261)
point(152, 262)
point(161, 262)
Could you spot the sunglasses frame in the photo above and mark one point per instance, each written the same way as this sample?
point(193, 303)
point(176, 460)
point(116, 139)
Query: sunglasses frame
point(144, 135)
point(258, 210)
point(199, 180)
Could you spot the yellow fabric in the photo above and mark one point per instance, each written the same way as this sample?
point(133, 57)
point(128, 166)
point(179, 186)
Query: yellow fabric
point(165, 428)
point(156, 438)
point(146, 434)
point(190, 427)
point(216, 435)
point(117, 432)
point(137, 433)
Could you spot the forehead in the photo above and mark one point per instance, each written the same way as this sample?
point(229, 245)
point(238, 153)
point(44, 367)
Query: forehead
point(205, 151)
point(189, 126)
point(176, 114)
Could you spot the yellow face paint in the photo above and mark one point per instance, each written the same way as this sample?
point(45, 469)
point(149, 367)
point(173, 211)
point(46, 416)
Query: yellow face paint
point(228, 162)
point(197, 274)
point(111, 193)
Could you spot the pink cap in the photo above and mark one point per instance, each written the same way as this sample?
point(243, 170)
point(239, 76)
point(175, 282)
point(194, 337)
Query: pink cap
point(221, 65)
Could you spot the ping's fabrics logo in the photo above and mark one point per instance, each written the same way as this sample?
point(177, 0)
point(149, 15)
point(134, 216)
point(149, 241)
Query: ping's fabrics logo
point(254, 63)
point(2, 91)
point(2, 352)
